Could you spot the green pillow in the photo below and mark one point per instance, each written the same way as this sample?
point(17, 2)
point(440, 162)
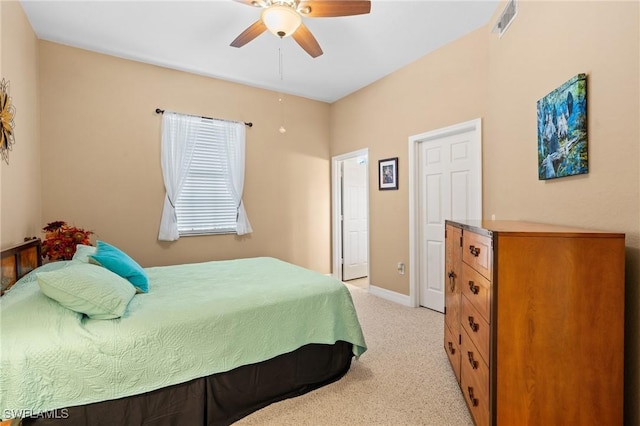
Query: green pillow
point(83, 252)
point(51, 266)
point(119, 262)
point(88, 289)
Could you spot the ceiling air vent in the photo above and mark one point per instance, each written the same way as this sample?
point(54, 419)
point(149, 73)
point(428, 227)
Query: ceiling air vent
point(506, 17)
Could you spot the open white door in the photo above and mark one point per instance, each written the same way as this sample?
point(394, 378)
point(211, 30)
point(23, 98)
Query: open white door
point(355, 231)
point(354, 216)
point(449, 186)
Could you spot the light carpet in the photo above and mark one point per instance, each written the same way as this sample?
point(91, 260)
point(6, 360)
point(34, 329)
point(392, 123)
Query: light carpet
point(404, 378)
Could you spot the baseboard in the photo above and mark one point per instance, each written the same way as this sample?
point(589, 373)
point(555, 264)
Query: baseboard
point(392, 296)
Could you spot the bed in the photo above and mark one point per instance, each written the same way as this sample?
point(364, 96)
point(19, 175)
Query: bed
point(207, 345)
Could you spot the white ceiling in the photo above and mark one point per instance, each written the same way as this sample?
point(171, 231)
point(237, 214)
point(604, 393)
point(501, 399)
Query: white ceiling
point(194, 36)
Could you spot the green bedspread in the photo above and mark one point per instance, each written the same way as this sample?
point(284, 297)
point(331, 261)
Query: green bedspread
point(196, 320)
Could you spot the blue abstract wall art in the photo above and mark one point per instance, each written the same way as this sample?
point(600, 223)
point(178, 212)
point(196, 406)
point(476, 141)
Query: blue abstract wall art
point(562, 130)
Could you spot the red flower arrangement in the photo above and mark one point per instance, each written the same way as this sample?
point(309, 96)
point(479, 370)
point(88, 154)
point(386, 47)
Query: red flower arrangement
point(61, 240)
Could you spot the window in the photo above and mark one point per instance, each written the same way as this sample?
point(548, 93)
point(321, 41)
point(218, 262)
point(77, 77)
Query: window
point(203, 169)
point(206, 203)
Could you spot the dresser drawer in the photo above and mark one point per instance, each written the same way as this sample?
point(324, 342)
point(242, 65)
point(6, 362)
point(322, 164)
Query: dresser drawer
point(476, 252)
point(474, 382)
point(476, 327)
point(453, 350)
point(477, 289)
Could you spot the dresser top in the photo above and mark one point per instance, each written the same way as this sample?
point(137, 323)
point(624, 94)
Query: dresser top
point(515, 227)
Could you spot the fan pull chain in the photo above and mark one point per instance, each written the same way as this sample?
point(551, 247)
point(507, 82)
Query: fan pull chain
point(281, 67)
point(282, 129)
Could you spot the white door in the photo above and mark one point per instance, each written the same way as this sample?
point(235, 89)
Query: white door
point(355, 230)
point(449, 187)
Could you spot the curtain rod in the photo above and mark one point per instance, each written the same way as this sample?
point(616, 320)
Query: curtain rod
point(161, 111)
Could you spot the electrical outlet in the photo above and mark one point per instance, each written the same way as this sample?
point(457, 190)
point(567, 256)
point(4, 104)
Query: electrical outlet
point(401, 268)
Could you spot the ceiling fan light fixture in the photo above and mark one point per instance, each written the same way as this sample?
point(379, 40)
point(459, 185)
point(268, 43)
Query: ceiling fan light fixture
point(281, 20)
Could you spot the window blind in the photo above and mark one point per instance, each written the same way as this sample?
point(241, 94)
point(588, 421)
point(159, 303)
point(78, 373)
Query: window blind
point(206, 204)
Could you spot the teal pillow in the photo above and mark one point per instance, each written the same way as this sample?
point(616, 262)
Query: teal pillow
point(83, 252)
point(119, 262)
point(88, 289)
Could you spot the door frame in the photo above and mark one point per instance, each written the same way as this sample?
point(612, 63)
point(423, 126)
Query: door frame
point(336, 210)
point(414, 254)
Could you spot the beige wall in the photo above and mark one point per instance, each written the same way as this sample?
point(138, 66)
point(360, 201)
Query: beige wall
point(500, 80)
point(541, 50)
point(21, 184)
point(101, 158)
point(443, 88)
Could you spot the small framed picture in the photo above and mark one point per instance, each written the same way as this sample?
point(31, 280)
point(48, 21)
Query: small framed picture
point(388, 173)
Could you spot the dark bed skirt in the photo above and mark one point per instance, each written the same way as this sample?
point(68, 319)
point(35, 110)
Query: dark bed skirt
point(219, 399)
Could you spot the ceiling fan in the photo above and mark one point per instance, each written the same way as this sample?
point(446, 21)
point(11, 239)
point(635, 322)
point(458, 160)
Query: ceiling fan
point(284, 18)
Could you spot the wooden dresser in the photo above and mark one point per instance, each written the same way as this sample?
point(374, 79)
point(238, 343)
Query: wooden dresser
point(534, 322)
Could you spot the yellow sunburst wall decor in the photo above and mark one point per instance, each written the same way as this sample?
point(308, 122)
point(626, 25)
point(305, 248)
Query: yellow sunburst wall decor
point(7, 113)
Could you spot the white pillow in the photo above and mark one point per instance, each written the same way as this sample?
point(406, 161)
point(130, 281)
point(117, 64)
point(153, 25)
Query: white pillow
point(83, 252)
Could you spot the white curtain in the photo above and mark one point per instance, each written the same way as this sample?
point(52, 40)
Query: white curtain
point(178, 141)
point(235, 139)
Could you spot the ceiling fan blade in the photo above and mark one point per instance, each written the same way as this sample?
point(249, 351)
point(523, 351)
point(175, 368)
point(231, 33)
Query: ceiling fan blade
point(249, 34)
point(307, 41)
point(330, 8)
point(256, 3)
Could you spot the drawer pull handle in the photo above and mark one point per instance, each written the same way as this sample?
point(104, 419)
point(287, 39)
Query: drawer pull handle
point(474, 401)
point(452, 281)
point(474, 288)
point(451, 349)
point(473, 362)
point(473, 325)
point(475, 251)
